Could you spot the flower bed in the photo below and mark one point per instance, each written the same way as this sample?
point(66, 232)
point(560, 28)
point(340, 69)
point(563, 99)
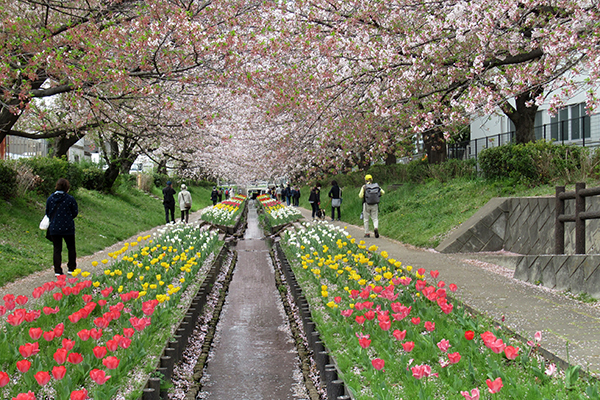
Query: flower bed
point(101, 336)
point(277, 213)
point(395, 333)
point(227, 213)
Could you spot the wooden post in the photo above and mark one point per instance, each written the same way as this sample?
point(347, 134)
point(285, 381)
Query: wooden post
point(559, 229)
point(579, 222)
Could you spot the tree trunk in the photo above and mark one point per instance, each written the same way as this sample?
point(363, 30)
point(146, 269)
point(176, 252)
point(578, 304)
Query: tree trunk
point(390, 158)
point(161, 168)
point(523, 116)
point(62, 144)
point(435, 146)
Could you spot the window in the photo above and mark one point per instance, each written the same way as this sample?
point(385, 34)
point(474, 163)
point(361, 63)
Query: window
point(571, 123)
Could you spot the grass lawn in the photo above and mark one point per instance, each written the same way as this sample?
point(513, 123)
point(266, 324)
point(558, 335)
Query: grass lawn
point(103, 220)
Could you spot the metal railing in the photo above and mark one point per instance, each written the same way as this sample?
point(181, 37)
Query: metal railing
point(579, 217)
point(577, 131)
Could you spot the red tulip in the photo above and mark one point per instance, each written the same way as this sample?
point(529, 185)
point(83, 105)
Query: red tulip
point(79, 394)
point(101, 303)
point(429, 326)
point(416, 320)
point(25, 396)
point(23, 365)
point(49, 336)
point(434, 274)
point(128, 332)
point(378, 364)
point(125, 343)
point(57, 296)
point(421, 271)
point(87, 298)
point(347, 313)
point(38, 292)
point(84, 334)
point(60, 356)
point(511, 352)
point(96, 333)
point(337, 299)
point(364, 342)
point(75, 358)
point(21, 300)
point(360, 319)
point(101, 322)
point(76, 317)
point(4, 379)
point(29, 349)
point(35, 333)
point(469, 335)
point(2, 310)
point(111, 362)
point(453, 288)
point(473, 396)
point(99, 376)
point(112, 345)
point(42, 377)
point(59, 329)
point(399, 335)
point(408, 346)
point(370, 315)
point(100, 351)
point(495, 385)
point(385, 325)
point(454, 357)
point(421, 371)
point(58, 372)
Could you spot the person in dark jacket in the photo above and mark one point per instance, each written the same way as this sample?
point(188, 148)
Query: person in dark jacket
point(61, 209)
point(297, 196)
point(169, 201)
point(315, 199)
point(335, 194)
point(214, 196)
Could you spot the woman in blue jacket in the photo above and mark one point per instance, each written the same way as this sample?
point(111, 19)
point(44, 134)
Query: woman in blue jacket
point(62, 209)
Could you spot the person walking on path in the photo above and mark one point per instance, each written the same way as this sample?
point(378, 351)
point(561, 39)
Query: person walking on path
point(214, 196)
point(335, 194)
point(61, 209)
point(370, 193)
point(169, 201)
point(296, 198)
point(185, 203)
point(315, 199)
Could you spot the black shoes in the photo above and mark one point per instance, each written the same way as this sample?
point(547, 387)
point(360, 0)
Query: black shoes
point(376, 232)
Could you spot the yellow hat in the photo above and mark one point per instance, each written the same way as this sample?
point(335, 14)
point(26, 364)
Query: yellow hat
point(368, 178)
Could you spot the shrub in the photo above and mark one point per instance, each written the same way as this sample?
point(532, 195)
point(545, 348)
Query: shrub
point(146, 183)
point(50, 170)
point(92, 177)
point(8, 180)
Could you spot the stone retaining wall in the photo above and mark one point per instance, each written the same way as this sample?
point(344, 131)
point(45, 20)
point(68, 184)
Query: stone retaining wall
point(520, 225)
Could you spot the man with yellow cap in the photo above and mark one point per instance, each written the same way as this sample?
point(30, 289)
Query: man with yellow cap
point(370, 193)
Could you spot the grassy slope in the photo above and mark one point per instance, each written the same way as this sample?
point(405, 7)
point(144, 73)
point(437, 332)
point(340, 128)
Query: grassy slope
point(103, 220)
point(423, 214)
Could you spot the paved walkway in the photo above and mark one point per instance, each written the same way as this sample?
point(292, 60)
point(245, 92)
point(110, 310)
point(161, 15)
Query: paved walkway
point(490, 289)
point(253, 355)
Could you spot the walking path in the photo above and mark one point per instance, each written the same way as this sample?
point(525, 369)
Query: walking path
point(570, 329)
point(253, 355)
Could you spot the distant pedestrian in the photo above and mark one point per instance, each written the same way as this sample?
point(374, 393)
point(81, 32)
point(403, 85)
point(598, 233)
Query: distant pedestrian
point(335, 194)
point(370, 193)
point(214, 196)
point(185, 203)
point(61, 209)
point(315, 199)
point(278, 191)
point(169, 201)
point(220, 194)
point(296, 196)
point(288, 194)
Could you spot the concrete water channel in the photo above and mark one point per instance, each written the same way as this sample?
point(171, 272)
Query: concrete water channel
point(253, 354)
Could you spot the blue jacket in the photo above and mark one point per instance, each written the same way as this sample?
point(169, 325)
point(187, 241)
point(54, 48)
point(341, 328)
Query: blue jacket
point(65, 210)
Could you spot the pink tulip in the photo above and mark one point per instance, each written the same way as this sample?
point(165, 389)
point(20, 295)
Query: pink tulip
point(385, 325)
point(378, 364)
point(454, 357)
point(111, 362)
point(495, 385)
point(538, 336)
point(75, 358)
point(347, 313)
point(399, 335)
point(25, 396)
point(79, 394)
point(408, 346)
point(4, 379)
point(511, 352)
point(421, 371)
point(58, 372)
point(99, 376)
point(42, 377)
point(474, 394)
point(443, 345)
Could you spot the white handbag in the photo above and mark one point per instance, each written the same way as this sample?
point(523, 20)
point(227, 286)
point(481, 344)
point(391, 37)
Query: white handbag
point(45, 223)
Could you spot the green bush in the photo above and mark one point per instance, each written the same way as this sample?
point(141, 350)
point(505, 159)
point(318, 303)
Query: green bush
point(8, 180)
point(50, 170)
point(92, 177)
point(536, 163)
